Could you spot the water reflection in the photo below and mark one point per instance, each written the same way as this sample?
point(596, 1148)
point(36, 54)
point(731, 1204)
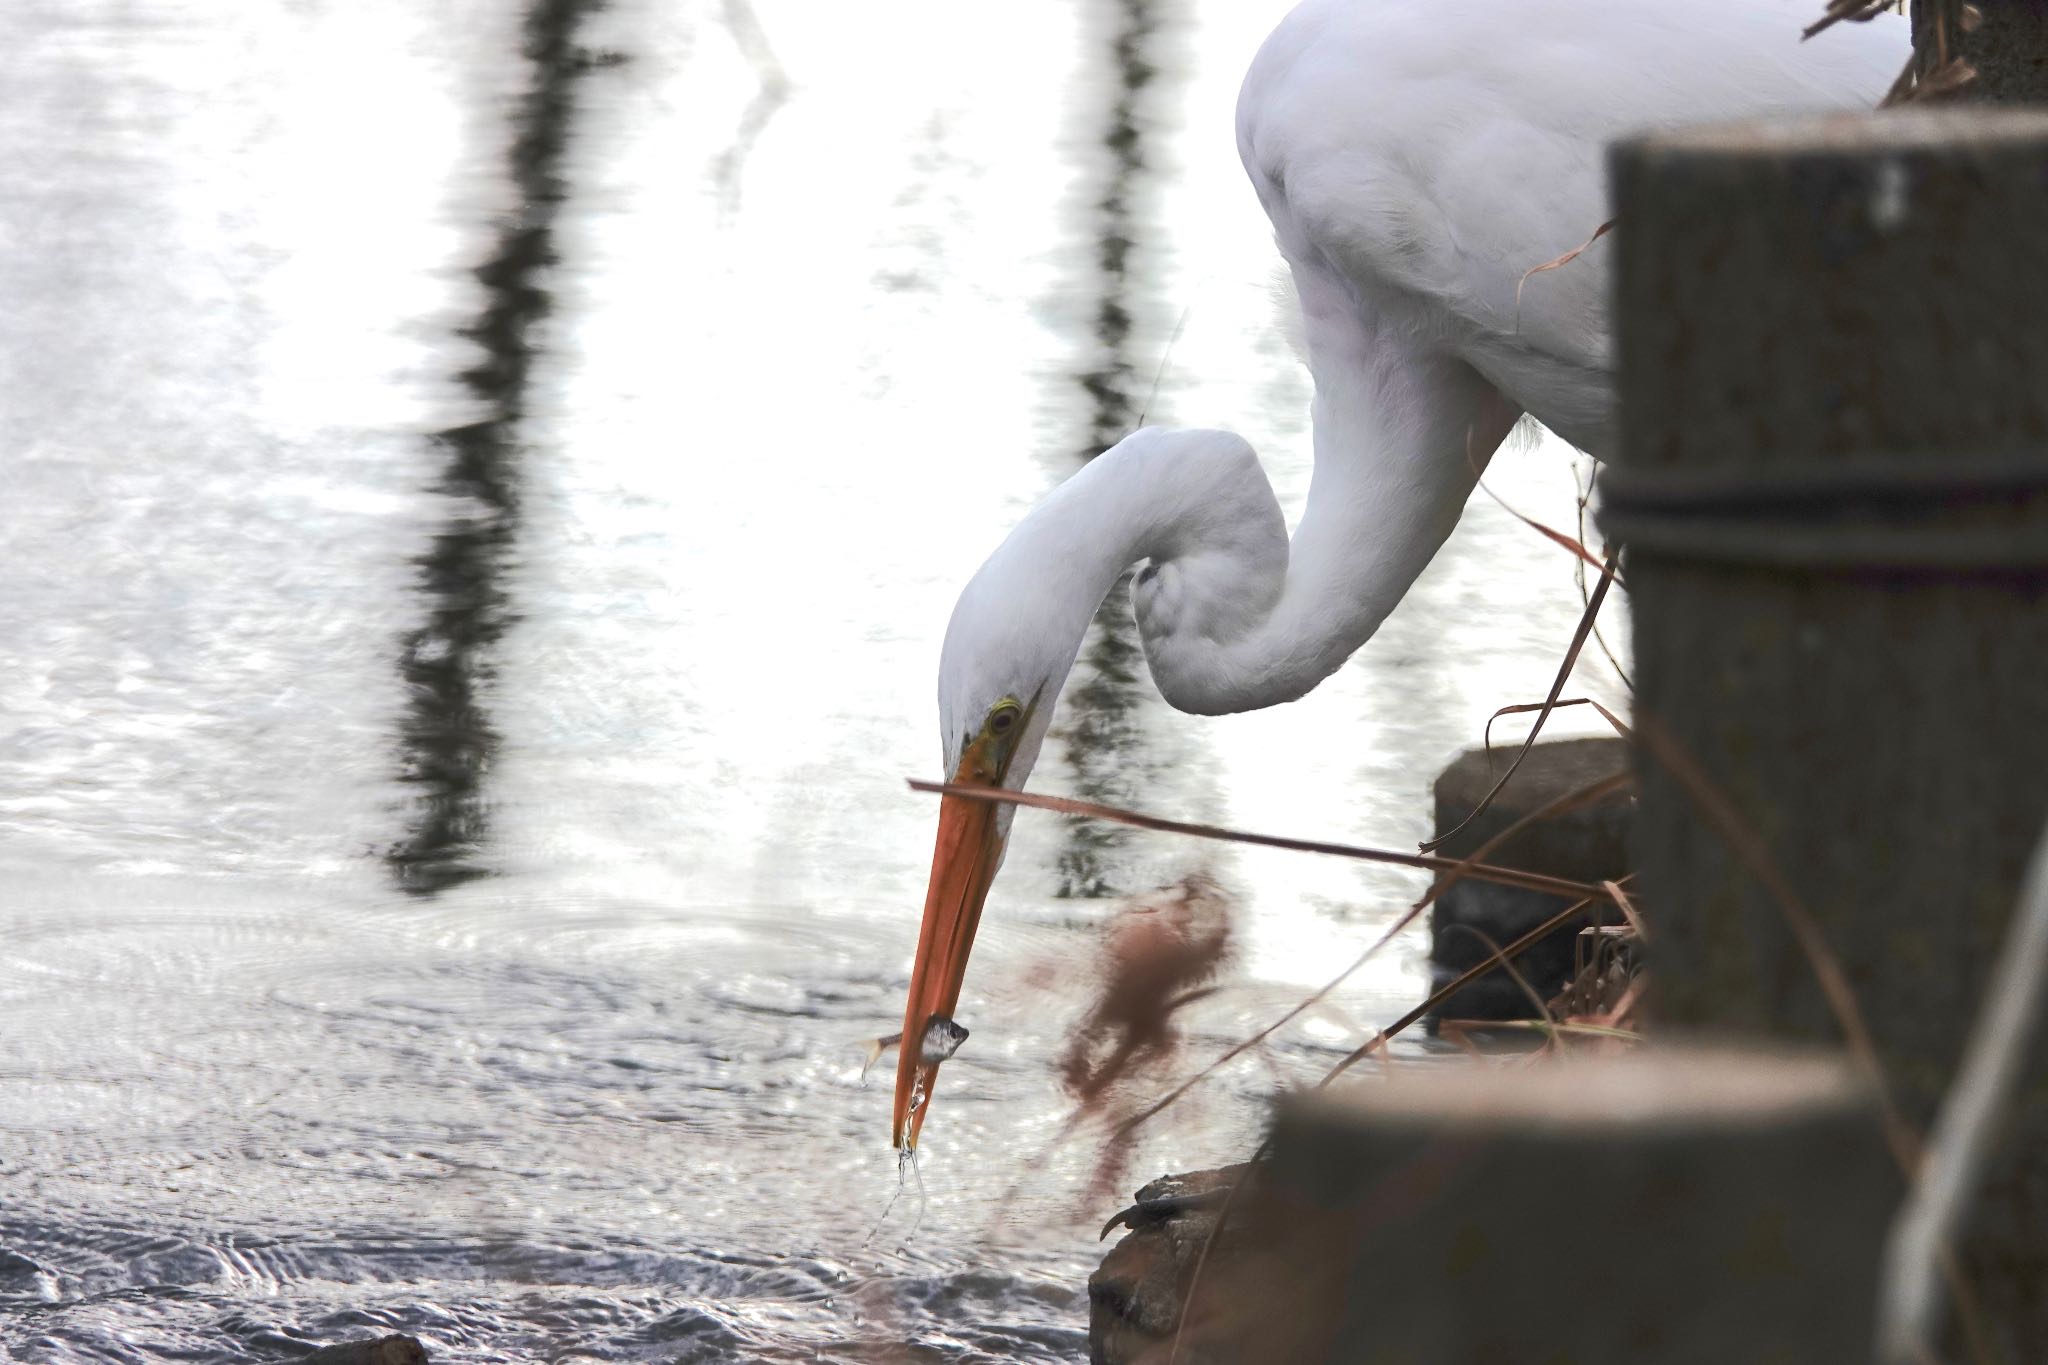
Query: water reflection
point(447, 737)
point(1102, 744)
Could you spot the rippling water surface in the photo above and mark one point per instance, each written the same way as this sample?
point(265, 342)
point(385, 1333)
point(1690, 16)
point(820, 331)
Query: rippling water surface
point(484, 485)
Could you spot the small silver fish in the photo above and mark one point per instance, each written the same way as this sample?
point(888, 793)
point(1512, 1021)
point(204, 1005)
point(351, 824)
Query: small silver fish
point(942, 1038)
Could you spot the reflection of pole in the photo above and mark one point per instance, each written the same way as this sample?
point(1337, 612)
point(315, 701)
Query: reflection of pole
point(447, 740)
point(1108, 384)
point(1833, 487)
point(1102, 739)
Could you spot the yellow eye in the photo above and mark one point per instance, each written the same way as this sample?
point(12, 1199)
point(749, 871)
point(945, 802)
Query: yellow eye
point(1002, 718)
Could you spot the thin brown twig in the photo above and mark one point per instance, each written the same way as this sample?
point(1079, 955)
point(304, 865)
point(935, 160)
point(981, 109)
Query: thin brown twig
point(1504, 876)
point(1557, 263)
point(1187, 1300)
point(1852, 11)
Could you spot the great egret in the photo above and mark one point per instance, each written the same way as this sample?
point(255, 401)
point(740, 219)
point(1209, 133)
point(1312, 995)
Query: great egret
point(1416, 158)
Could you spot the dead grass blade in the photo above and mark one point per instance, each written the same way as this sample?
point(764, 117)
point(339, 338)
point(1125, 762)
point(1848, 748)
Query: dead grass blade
point(1579, 574)
point(1571, 658)
point(1504, 876)
point(1556, 264)
point(1570, 543)
point(1559, 1029)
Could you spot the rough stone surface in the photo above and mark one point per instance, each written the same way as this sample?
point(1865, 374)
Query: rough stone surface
point(1135, 1296)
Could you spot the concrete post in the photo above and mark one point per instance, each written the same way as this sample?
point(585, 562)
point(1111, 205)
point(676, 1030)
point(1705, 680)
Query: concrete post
point(1833, 487)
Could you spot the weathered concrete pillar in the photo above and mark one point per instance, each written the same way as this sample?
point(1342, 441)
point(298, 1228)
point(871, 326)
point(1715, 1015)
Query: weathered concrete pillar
point(1833, 487)
point(1471, 919)
point(1666, 1207)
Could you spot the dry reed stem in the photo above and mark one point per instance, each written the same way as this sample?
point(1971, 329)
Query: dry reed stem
point(1555, 264)
point(1585, 496)
point(1063, 805)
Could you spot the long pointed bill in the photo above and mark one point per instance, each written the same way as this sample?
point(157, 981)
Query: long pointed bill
point(963, 865)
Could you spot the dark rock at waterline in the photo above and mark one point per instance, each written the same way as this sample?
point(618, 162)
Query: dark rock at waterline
point(397, 1349)
point(1589, 844)
point(1135, 1295)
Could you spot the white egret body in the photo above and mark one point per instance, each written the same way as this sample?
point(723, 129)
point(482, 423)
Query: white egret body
point(1416, 158)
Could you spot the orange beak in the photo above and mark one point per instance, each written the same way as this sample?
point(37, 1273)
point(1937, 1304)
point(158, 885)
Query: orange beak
point(963, 865)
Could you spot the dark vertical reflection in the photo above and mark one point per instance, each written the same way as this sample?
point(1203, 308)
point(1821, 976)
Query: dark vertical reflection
point(1104, 745)
point(447, 740)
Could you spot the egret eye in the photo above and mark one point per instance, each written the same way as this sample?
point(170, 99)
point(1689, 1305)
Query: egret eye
point(1001, 719)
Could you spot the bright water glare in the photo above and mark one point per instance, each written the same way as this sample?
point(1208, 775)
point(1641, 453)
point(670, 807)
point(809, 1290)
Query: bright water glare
point(485, 483)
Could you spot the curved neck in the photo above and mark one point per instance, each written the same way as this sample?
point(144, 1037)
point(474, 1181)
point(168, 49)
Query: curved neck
point(1234, 617)
point(1399, 446)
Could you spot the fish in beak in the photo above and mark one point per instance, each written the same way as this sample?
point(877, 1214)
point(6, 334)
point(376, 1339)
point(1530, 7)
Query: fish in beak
point(963, 864)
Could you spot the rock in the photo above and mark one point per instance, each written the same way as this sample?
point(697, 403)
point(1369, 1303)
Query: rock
point(397, 1349)
point(1135, 1296)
